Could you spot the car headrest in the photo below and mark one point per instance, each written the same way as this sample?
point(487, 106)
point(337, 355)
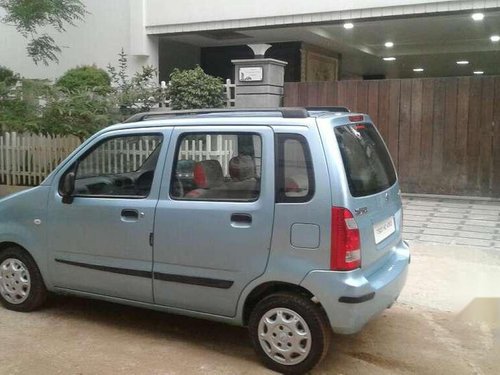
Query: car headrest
point(242, 167)
point(208, 174)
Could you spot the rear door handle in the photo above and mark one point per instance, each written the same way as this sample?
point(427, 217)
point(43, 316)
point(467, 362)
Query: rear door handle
point(241, 218)
point(128, 214)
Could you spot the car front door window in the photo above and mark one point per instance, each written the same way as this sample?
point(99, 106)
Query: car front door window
point(119, 167)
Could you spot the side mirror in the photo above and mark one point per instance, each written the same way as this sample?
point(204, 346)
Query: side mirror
point(68, 187)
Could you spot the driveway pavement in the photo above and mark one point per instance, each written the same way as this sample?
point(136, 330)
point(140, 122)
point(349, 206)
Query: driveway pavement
point(439, 326)
point(452, 221)
point(447, 320)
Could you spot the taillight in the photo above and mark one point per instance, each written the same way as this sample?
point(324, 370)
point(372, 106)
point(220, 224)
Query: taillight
point(345, 253)
point(356, 118)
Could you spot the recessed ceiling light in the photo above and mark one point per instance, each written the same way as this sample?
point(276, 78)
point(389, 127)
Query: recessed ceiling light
point(389, 44)
point(348, 25)
point(478, 16)
point(462, 62)
point(495, 38)
point(418, 69)
point(478, 72)
point(389, 58)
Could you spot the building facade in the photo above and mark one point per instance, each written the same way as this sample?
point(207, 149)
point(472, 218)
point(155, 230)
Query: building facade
point(320, 40)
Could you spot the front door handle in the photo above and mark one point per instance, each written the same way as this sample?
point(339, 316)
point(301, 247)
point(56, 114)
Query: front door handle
point(241, 218)
point(128, 214)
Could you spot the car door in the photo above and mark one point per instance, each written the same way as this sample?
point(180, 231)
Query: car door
point(100, 242)
point(214, 222)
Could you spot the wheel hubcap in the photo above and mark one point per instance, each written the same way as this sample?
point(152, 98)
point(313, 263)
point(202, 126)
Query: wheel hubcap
point(15, 282)
point(285, 336)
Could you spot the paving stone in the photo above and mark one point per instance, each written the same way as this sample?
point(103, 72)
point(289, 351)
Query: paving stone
point(420, 208)
point(410, 236)
point(438, 239)
point(460, 205)
point(473, 242)
point(492, 224)
point(452, 210)
point(477, 228)
point(483, 217)
point(489, 208)
point(453, 227)
point(423, 203)
point(486, 206)
point(445, 220)
point(414, 220)
point(490, 211)
point(484, 236)
point(412, 229)
point(412, 212)
point(485, 201)
point(439, 232)
point(448, 214)
point(413, 224)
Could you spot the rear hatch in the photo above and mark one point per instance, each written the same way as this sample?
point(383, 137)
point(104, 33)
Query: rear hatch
point(373, 195)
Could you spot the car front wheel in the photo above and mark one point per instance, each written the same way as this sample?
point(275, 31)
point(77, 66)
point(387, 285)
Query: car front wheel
point(21, 284)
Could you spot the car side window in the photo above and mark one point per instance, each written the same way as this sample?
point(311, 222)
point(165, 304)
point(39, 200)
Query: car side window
point(217, 166)
point(294, 170)
point(121, 166)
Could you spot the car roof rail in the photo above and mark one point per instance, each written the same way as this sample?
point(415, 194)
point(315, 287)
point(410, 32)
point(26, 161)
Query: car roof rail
point(327, 109)
point(285, 112)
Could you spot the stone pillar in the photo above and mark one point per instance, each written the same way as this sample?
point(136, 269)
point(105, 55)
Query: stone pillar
point(259, 83)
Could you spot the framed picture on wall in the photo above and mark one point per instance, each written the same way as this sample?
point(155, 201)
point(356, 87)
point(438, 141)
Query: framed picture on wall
point(318, 67)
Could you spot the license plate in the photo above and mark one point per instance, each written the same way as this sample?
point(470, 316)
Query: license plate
point(383, 229)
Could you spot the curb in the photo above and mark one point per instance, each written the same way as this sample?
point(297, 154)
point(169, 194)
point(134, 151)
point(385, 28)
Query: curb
point(450, 197)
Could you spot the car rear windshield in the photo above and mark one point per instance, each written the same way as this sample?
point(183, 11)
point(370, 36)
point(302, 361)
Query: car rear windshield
point(367, 163)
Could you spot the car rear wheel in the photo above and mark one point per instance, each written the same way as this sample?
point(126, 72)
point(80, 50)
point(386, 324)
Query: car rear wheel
point(21, 284)
point(289, 332)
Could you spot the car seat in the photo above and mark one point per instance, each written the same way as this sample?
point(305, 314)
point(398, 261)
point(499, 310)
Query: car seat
point(208, 178)
point(244, 183)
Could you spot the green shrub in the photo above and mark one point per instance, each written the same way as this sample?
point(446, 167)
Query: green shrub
point(18, 115)
point(85, 78)
point(79, 113)
point(19, 104)
point(191, 89)
point(7, 80)
point(7, 76)
point(138, 93)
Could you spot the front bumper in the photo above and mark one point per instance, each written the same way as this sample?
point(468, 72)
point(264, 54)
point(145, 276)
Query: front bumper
point(351, 299)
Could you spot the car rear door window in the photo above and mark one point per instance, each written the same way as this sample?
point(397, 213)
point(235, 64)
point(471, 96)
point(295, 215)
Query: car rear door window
point(217, 166)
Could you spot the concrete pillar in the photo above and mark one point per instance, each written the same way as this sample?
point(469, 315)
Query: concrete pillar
point(259, 83)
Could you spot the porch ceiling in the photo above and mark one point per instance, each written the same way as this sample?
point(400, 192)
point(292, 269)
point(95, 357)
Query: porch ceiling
point(434, 43)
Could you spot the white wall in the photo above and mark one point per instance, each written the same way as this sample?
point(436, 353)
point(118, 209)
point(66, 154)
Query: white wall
point(161, 12)
point(97, 40)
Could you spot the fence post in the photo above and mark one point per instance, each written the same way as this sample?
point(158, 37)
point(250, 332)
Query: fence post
point(227, 90)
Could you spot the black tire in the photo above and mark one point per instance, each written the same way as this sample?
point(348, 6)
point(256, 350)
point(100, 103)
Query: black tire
point(314, 317)
point(37, 292)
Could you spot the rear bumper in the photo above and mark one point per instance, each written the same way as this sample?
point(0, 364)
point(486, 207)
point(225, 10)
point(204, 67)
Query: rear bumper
point(351, 299)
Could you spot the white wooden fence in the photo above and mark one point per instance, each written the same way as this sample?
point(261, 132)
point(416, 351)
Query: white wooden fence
point(219, 147)
point(27, 159)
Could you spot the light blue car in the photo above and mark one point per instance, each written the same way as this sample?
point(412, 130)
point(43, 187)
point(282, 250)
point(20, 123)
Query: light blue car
point(287, 221)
